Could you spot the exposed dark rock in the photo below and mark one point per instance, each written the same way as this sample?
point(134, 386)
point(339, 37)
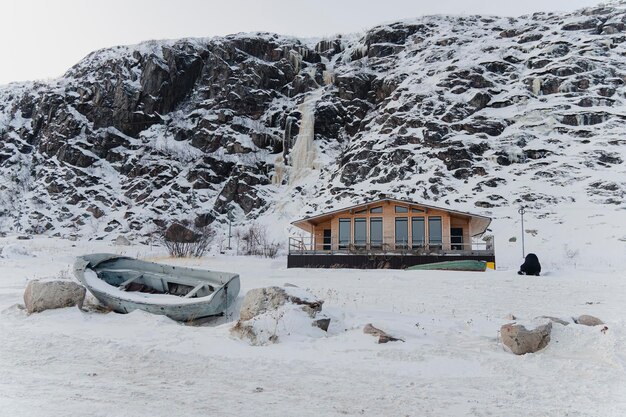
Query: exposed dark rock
point(200, 126)
point(179, 233)
point(582, 25)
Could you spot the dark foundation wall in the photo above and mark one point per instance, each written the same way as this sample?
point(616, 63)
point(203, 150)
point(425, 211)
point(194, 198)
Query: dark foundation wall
point(374, 261)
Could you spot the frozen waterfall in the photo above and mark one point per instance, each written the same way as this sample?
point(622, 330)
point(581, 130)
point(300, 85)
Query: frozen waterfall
point(304, 151)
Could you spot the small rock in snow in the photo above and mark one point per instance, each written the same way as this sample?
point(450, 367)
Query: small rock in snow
point(322, 324)
point(383, 337)
point(587, 320)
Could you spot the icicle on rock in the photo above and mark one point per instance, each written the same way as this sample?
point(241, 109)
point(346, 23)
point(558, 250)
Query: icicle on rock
point(279, 163)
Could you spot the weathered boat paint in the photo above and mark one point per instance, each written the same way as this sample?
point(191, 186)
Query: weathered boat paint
point(208, 293)
point(464, 265)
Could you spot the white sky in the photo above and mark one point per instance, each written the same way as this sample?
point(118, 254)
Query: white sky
point(43, 38)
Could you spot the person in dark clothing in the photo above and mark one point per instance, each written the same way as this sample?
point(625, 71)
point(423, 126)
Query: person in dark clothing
point(531, 265)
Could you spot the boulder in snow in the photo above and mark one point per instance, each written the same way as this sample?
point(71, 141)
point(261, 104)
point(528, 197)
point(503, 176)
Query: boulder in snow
point(587, 320)
point(46, 295)
point(260, 300)
point(521, 340)
point(121, 241)
point(273, 312)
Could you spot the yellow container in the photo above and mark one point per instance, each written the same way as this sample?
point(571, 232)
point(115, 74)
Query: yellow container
point(491, 265)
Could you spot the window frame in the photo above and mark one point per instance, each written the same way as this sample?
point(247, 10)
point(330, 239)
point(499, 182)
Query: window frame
point(400, 244)
point(363, 221)
point(416, 243)
point(343, 244)
point(376, 243)
point(438, 243)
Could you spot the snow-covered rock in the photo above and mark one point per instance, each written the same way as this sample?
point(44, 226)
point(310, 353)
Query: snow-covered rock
point(43, 295)
point(260, 300)
point(521, 340)
point(472, 112)
point(121, 241)
point(269, 314)
point(15, 251)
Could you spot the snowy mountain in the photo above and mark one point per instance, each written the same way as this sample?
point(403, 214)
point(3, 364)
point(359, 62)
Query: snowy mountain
point(476, 113)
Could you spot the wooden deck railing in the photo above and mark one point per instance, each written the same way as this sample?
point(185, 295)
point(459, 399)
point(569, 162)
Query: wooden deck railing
point(312, 246)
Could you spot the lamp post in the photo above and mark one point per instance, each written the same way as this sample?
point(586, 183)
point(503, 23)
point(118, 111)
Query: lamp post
point(521, 211)
point(230, 223)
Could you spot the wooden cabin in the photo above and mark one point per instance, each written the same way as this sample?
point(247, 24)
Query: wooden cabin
point(389, 233)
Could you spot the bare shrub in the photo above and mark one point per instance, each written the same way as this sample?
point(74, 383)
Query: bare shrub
point(256, 242)
point(186, 241)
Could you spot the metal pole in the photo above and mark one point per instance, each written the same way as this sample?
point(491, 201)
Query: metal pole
point(230, 223)
point(521, 211)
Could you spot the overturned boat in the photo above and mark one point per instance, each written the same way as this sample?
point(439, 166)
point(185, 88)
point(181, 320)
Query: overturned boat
point(125, 284)
point(465, 265)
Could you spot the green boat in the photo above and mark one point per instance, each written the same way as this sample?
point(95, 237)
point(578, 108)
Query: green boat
point(467, 265)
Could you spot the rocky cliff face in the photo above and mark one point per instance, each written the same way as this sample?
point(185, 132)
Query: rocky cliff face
point(475, 112)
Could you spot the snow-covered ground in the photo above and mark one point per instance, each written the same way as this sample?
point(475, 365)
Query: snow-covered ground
point(69, 363)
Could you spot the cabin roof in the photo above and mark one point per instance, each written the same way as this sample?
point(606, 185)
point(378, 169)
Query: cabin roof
point(478, 223)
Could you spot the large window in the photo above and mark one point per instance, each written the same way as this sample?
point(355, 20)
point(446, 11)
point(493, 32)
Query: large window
point(435, 237)
point(376, 209)
point(344, 233)
point(402, 209)
point(402, 232)
point(360, 232)
point(376, 232)
point(418, 231)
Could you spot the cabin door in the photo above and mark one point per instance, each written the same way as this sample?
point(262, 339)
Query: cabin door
point(456, 238)
point(327, 239)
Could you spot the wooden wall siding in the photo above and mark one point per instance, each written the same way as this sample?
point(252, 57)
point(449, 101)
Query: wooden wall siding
point(464, 223)
point(389, 215)
point(373, 262)
point(319, 233)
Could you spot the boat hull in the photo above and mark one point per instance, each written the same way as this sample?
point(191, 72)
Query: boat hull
point(225, 287)
point(465, 265)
